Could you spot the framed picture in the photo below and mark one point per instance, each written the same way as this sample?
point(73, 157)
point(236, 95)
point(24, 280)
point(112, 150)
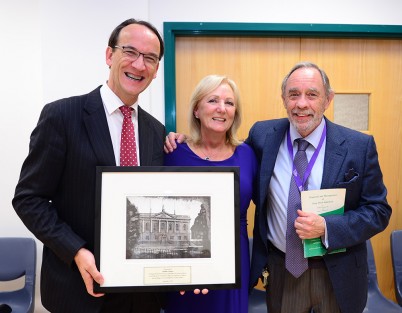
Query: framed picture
point(167, 228)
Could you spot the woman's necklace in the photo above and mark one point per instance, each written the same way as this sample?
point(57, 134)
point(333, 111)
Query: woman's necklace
point(219, 154)
point(207, 158)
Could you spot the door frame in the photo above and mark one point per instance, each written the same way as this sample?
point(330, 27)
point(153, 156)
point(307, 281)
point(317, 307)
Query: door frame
point(172, 30)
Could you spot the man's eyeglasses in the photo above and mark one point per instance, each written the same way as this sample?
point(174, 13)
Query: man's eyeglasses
point(133, 54)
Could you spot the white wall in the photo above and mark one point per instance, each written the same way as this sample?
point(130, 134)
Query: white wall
point(53, 49)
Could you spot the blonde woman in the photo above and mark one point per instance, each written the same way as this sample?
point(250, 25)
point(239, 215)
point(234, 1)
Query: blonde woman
point(214, 118)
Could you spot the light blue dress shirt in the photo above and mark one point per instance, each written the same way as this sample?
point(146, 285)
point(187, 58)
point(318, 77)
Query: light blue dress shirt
point(278, 190)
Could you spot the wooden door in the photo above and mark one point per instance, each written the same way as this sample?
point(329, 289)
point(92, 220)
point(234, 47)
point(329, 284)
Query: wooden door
point(258, 65)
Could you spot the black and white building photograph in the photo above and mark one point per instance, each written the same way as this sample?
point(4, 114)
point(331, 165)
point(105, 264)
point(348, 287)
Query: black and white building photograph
point(162, 227)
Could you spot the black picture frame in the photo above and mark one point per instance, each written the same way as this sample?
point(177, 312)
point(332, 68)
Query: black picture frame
point(167, 228)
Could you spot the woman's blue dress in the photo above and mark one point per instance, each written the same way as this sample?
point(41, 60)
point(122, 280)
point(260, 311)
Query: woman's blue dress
point(230, 300)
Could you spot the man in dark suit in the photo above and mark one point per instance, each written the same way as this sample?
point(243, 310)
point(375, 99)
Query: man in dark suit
point(345, 159)
point(55, 195)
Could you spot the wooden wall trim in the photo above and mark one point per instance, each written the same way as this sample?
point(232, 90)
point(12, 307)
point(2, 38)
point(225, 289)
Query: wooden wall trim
point(171, 30)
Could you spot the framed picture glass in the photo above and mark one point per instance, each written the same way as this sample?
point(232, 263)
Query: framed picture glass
point(167, 228)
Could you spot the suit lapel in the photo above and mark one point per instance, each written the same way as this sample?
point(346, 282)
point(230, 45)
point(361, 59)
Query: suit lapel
point(335, 155)
point(273, 140)
point(145, 137)
point(97, 128)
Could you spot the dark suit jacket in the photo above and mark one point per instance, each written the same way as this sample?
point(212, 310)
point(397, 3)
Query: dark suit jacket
point(366, 209)
point(55, 195)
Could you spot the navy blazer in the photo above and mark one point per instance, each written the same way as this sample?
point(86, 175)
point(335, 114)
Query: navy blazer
point(55, 195)
point(351, 162)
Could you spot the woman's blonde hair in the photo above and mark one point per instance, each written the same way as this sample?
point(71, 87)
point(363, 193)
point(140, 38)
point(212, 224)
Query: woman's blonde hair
point(205, 86)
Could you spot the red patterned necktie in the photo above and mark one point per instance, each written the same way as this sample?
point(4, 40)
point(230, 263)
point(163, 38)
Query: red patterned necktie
point(296, 263)
point(128, 150)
